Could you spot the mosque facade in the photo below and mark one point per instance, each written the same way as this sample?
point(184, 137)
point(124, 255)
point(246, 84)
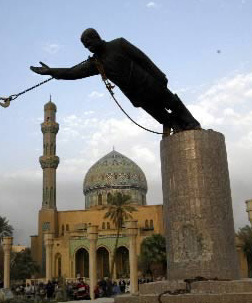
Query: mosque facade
point(69, 245)
point(62, 245)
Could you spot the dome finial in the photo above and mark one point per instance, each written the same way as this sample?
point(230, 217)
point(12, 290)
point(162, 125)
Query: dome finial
point(50, 98)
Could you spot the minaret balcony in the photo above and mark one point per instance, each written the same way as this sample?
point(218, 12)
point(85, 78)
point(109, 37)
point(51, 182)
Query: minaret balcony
point(50, 127)
point(49, 161)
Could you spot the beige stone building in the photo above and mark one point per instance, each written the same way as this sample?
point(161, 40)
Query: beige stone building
point(18, 248)
point(62, 235)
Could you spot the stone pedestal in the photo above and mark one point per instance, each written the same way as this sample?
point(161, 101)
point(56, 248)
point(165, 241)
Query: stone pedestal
point(198, 213)
point(7, 245)
point(199, 292)
point(132, 234)
point(48, 240)
point(92, 232)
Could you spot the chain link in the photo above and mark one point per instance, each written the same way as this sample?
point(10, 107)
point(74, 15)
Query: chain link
point(108, 85)
point(14, 96)
point(7, 100)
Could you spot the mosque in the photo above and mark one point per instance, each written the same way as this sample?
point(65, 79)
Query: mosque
point(67, 247)
point(62, 246)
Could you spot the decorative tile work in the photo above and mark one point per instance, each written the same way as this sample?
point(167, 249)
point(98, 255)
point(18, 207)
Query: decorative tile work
point(114, 172)
point(46, 226)
point(106, 241)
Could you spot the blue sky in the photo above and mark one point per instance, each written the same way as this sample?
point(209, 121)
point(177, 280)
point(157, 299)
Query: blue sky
point(204, 48)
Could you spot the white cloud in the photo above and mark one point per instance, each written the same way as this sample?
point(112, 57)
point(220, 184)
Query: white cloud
point(83, 139)
point(226, 107)
point(52, 48)
point(151, 4)
point(143, 153)
point(95, 95)
point(235, 93)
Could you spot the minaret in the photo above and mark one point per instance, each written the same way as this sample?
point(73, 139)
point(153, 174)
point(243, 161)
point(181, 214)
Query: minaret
point(48, 215)
point(49, 161)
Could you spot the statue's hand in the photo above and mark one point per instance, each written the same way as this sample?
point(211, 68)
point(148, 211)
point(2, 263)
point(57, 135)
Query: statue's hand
point(43, 70)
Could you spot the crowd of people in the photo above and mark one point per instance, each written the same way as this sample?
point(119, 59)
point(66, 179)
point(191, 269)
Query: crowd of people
point(35, 290)
point(73, 290)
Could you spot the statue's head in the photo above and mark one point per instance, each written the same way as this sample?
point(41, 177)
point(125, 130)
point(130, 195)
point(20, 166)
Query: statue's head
point(91, 40)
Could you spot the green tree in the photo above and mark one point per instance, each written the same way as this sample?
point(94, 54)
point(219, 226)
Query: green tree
point(6, 229)
point(245, 235)
point(152, 253)
point(22, 265)
point(119, 209)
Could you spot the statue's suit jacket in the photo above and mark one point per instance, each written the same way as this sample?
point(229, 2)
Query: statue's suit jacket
point(127, 67)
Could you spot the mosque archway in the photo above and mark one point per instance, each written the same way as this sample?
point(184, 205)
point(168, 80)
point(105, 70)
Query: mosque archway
point(122, 262)
point(82, 263)
point(102, 262)
point(58, 264)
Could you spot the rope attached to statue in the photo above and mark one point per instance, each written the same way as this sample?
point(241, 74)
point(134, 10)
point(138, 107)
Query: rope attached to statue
point(109, 86)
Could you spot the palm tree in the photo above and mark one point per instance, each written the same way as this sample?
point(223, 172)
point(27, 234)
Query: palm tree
point(5, 228)
point(245, 235)
point(119, 210)
point(152, 253)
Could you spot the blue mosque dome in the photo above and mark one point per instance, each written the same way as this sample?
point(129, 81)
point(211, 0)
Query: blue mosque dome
point(114, 173)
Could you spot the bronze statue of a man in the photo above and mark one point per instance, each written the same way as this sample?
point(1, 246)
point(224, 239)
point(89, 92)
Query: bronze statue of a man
point(134, 73)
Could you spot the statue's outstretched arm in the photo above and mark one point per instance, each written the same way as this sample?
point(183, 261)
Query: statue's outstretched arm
point(83, 70)
point(137, 55)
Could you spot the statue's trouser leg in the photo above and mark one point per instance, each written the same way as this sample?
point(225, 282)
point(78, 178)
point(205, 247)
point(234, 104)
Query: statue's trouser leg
point(185, 118)
point(160, 114)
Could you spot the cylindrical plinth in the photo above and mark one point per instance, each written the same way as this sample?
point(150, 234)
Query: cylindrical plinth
point(132, 230)
point(92, 232)
point(7, 245)
point(198, 213)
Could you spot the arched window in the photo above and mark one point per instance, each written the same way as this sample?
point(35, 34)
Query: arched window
point(100, 199)
point(58, 262)
point(102, 262)
point(151, 224)
point(108, 225)
point(103, 225)
point(67, 227)
point(62, 230)
point(146, 224)
point(109, 196)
